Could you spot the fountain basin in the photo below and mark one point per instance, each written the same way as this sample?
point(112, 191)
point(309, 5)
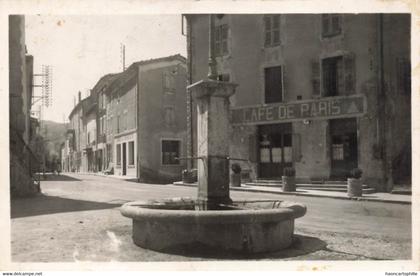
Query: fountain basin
point(244, 226)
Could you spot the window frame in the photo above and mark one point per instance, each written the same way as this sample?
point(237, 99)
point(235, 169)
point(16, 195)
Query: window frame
point(131, 153)
point(118, 153)
point(328, 30)
point(179, 141)
point(220, 41)
point(265, 85)
point(272, 30)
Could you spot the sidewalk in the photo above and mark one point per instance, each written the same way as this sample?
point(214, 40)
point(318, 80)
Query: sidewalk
point(378, 197)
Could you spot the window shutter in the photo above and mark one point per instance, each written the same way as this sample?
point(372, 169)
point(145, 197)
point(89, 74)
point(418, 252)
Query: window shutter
point(349, 74)
point(296, 144)
point(252, 155)
point(316, 85)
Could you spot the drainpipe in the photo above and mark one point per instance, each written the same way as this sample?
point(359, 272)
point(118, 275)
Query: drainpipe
point(382, 99)
point(190, 130)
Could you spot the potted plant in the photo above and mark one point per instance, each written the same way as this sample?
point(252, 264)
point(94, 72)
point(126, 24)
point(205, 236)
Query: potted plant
point(189, 176)
point(288, 179)
point(235, 176)
point(354, 183)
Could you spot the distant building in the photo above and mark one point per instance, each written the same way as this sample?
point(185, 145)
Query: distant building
point(135, 122)
point(23, 162)
point(323, 93)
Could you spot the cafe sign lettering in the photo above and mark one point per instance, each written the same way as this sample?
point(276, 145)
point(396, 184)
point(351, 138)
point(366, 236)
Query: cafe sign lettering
point(325, 108)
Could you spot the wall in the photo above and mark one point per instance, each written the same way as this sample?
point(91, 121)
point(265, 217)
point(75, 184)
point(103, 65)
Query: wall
point(155, 124)
point(301, 45)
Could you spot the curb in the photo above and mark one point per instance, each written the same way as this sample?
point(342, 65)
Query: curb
point(307, 194)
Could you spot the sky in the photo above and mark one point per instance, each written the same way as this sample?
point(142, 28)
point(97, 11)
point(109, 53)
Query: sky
point(82, 49)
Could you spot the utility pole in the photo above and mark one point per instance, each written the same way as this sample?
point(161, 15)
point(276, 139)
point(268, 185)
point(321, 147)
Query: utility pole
point(122, 55)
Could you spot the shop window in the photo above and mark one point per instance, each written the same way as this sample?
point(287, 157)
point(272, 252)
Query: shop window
point(131, 153)
point(271, 30)
point(331, 25)
point(221, 40)
point(118, 154)
point(170, 152)
point(273, 80)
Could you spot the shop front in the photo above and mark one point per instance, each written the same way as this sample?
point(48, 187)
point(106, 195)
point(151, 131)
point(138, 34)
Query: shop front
point(328, 126)
point(126, 154)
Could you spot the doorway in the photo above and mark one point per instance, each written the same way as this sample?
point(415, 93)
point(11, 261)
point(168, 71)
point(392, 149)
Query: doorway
point(344, 155)
point(274, 150)
point(124, 159)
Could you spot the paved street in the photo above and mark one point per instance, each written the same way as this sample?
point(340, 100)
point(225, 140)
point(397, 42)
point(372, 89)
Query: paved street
point(77, 218)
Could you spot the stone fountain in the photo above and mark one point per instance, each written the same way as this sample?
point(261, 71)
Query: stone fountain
point(213, 220)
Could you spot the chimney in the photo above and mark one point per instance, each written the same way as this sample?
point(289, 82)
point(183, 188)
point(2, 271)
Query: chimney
point(80, 96)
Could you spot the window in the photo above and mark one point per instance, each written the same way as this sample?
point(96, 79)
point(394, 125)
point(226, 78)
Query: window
point(131, 153)
point(170, 152)
point(223, 77)
point(168, 82)
point(118, 154)
point(221, 40)
point(169, 116)
point(331, 25)
point(272, 30)
point(338, 75)
point(273, 84)
point(332, 76)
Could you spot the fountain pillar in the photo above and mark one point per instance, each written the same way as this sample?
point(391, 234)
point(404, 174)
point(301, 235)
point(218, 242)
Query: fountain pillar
point(212, 99)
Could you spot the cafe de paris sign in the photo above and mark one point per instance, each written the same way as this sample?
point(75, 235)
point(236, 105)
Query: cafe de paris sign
point(323, 108)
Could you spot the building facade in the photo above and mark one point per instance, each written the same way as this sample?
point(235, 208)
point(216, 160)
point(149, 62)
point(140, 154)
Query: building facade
point(323, 93)
point(23, 162)
point(138, 121)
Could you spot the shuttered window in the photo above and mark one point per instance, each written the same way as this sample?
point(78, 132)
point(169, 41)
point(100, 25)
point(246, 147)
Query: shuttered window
point(273, 82)
point(331, 25)
point(316, 84)
point(271, 30)
point(221, 40)
point(338, 76)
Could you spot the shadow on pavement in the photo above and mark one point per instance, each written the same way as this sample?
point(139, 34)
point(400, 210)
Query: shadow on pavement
point(55, 177)
point(302, 245)
point(43, 205)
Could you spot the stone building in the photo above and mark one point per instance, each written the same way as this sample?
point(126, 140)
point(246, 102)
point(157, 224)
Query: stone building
point(23, 162)
point(135, 121)
point(323, 93)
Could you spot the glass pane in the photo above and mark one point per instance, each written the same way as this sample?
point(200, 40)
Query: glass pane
point(267, 23)
point(335, 24)
point(267, 38)
point(276, 21)
point(225, 47)
point(338, 152)
point(224, 32)
point(276, 37)
point(288, 154)
point(276, 153)
point(265, 155)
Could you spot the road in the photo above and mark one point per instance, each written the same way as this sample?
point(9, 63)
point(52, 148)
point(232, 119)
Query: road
point(77, 218)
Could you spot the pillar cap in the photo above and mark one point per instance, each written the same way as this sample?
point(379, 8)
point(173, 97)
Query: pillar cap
point(213, 88)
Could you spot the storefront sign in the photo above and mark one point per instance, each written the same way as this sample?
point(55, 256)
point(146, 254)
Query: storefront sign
point(325, 108)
